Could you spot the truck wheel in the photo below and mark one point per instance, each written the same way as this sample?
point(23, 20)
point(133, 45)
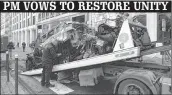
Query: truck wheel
point(132, 86)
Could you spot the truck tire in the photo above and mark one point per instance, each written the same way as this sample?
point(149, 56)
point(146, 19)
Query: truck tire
point(132, 86)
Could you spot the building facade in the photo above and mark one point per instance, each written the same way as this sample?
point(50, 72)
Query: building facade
point(24, 27)
point(6, 24)
point(47, 21)
point(2, 23)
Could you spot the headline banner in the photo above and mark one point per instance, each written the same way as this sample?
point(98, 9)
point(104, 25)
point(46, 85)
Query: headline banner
point(85, 6)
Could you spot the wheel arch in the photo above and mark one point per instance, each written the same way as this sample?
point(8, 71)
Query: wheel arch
point(137, 75)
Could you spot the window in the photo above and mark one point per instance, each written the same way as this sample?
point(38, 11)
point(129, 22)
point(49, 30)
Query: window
point(27, 22)
point(33, 20)
point(43, 16)
point(24, 24)
point(30, 21)
point(39, 17)
point(20, 16)
point(51, 14)
point(47, 15)
point(20, 25)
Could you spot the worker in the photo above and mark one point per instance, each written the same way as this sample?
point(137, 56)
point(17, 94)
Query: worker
point(37, 54)
point(10, 46)
point(24, 46)
point(48, 60)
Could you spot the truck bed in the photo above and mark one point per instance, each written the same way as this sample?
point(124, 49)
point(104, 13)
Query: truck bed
point(100, 59)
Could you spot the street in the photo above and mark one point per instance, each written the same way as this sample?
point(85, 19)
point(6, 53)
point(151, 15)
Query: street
point(33, 83)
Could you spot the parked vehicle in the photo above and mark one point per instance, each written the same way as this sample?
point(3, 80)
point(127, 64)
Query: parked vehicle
point(4, 43)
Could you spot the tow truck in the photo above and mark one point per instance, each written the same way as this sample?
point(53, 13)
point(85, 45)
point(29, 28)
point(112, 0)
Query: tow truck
point(133, 75)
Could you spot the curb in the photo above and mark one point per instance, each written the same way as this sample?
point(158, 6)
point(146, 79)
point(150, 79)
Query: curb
point(23, 84)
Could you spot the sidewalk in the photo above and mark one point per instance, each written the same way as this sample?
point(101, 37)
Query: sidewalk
point(9, 87)
point(19, 52)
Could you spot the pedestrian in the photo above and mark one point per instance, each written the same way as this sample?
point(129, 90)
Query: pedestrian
point(17, 44)
point(24, 46)
point(32, 45)
point(10, 46)
point(48, 60)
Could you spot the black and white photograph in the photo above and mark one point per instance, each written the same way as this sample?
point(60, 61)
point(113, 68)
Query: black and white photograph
point(48, 50)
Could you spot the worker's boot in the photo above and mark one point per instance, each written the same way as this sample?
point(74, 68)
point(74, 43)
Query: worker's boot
point(49, 85)
point(42, 83)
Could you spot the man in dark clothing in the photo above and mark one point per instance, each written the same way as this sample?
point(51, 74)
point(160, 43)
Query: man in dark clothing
point(48, 59)
point(37, 55)
point(24, 46)
point(10, 46)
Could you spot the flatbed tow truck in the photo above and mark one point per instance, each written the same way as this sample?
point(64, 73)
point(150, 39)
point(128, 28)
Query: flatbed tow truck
point(132, 77)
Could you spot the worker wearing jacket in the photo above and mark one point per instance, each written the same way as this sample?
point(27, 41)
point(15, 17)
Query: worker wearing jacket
point(37, 55)
point(48, 59)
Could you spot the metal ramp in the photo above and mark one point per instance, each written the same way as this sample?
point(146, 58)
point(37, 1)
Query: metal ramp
point(100, 59)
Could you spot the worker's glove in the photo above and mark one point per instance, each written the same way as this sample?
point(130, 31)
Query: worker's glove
point(59, 54)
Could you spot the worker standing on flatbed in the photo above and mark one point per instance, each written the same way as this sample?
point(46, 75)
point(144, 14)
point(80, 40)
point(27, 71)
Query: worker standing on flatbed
point(48, 59)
